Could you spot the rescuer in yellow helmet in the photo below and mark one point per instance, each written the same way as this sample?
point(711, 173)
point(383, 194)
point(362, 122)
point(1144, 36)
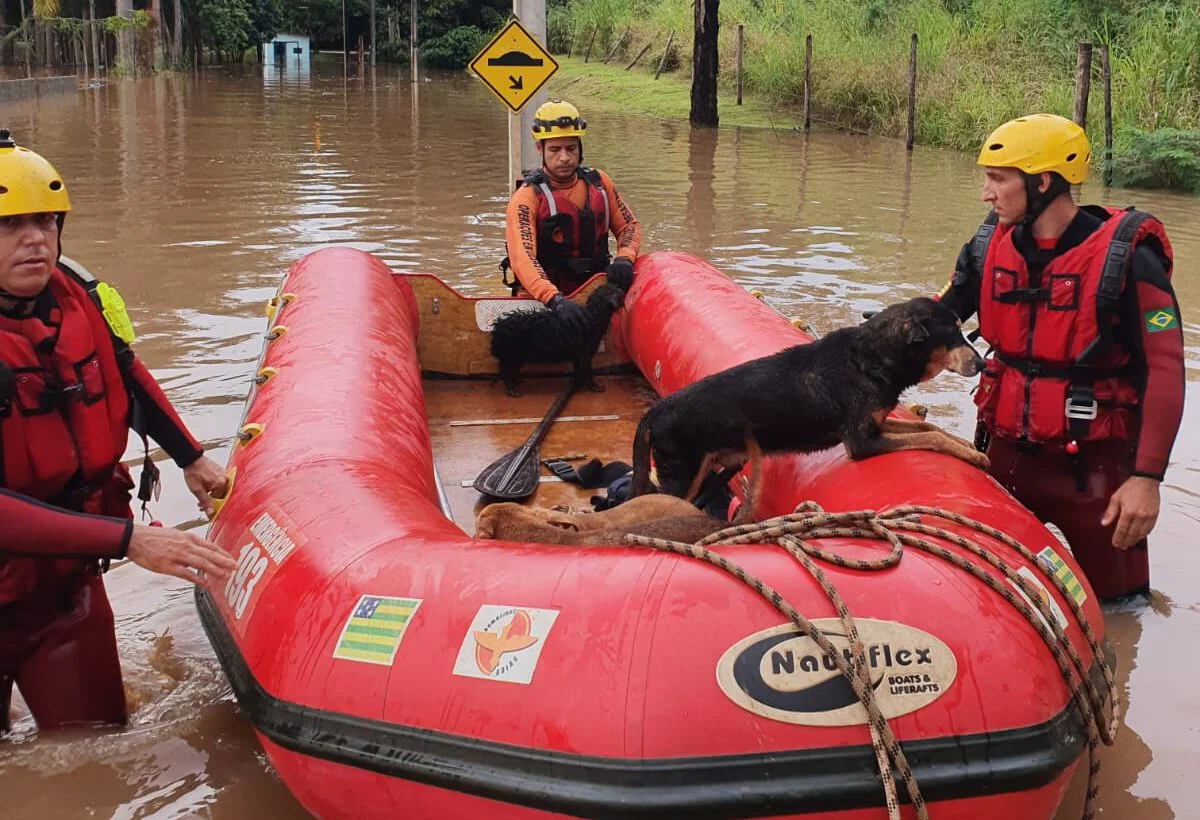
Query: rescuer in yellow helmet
point(1082, 396)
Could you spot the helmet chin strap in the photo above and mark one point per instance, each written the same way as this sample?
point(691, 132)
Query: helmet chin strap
point(1036, 202)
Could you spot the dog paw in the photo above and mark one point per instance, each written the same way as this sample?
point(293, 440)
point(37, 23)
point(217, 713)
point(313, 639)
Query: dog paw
point(514, 392)
point(977, 459)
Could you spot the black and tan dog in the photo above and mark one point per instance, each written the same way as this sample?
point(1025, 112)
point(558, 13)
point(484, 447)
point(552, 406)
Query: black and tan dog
point(838, 389)
point(536, 336)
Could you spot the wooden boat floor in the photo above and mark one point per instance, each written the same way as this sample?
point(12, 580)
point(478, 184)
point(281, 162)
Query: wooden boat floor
point(466, 424)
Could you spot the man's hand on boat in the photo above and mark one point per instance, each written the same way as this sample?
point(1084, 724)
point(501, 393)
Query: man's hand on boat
point(207, 481)
point(1134, 508)
point(174, 552)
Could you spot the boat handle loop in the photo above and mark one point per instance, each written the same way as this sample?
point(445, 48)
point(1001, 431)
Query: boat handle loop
point(276, 302)
point(218, 504)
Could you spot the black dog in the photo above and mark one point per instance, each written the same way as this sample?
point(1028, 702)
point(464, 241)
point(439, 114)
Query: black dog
point(839, 388)
point(536, 336)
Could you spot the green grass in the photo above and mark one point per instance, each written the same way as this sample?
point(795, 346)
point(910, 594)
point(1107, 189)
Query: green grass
point(609, 88)
point(980, 62)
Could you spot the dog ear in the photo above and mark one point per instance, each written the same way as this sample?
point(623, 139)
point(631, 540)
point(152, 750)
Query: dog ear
point(917, 333)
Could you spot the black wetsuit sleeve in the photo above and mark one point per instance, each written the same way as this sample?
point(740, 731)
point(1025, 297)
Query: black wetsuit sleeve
point(961, 293)
point(163, 424)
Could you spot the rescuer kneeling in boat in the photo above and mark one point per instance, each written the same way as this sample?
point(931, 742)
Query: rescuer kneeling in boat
point(70, 388)
point(1082, 396)
point(558, 220)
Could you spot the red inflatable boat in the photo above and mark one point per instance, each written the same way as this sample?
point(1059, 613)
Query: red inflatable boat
point(393, 666)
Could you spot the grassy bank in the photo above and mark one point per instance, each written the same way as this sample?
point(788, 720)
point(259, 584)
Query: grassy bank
point(980, 62)
point(606, 88)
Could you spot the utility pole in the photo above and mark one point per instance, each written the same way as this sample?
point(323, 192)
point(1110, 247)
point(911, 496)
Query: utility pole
point(522, 156)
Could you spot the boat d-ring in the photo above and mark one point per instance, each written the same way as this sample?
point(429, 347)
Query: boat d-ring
point(249, 433)
point(275, 302)
point(218, 504)
point(265, 375)
point(275, 332)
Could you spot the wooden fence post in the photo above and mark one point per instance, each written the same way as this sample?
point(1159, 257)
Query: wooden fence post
point(912, 93)
point(666, 51)
point(587, 54)
point(807, 81)
point(1106, 79)
point(739, 63)
point(645, 48)
point(613, 53)
point(1083, 82)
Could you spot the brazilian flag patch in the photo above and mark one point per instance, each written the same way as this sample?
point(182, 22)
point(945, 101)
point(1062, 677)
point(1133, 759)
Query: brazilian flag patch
point(1161, 319)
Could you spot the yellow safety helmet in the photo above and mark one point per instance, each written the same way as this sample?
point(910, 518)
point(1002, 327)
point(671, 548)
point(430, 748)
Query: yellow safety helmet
point(1039, 143)
point(28, 183)
point(556, 118)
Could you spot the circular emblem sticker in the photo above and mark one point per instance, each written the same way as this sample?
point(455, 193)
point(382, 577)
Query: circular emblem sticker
point(783, 675)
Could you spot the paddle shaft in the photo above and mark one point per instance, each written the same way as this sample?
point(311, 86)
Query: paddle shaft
point(535, 438)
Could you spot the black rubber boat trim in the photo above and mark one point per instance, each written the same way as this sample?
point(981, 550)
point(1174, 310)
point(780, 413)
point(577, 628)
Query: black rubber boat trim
point(730, 786)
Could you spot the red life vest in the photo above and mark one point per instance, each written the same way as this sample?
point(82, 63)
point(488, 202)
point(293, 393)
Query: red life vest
point(572, 243)
point(66, 425)
point(1055, 372)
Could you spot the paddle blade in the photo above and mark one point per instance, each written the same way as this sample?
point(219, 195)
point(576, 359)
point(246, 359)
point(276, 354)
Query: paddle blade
point(511, 477)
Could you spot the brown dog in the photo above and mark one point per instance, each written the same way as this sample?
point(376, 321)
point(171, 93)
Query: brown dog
point(516, 522)
point(496, 519)
point(632, 512)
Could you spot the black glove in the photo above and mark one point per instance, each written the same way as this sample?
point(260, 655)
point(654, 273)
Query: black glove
point(570, 316)
point(620, 273)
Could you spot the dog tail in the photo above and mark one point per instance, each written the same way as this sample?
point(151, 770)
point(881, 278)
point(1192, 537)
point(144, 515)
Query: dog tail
point(641, 457)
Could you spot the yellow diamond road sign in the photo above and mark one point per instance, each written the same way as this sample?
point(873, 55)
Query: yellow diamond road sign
point(514, 65)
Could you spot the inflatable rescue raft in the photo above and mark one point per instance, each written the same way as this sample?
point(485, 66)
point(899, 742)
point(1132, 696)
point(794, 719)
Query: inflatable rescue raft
point(393, 666)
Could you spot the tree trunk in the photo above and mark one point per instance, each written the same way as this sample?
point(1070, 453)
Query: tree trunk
point(704, 65)
point(197, 43)
point(373, 41)
point(155, 11)
point(126, 58)
point(28, 41)
point(94, 36)
point(177, 34)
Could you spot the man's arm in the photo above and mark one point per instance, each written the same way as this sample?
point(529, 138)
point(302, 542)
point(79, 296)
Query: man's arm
point(1155, 332)
point(520, 235)
point(961, 293)
point(621, 221)
point(163, 424)
point(34, 529)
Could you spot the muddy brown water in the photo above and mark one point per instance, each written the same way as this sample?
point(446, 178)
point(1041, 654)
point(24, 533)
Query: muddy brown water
point(194, 194)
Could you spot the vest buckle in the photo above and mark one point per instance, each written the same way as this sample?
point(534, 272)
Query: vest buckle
point(1081, 405)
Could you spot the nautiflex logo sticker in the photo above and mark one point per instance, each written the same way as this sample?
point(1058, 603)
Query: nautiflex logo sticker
point(782, 675)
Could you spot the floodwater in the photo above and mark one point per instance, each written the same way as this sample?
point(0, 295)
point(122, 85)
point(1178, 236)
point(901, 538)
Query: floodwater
point(193, 195)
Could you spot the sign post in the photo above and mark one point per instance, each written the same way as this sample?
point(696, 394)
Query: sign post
point(515, 67)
